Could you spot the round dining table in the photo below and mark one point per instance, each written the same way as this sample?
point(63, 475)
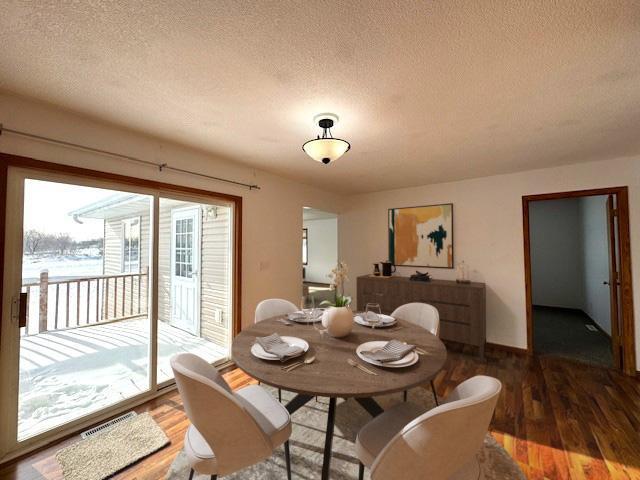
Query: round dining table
point(330, 374)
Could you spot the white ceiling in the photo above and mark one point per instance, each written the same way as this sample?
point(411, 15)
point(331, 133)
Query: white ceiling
point(313, 214)
point(426, 91)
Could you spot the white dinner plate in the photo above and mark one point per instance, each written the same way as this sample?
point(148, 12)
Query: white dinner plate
point(409, 359)
point(301, 319)
point(386, 321)
point(258, 351)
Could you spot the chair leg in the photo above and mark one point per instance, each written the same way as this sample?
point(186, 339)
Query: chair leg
point(191, 474)
point(433, 390)
point(361, 472)
point(287, 458)
point(405, 395)
point(280, 395)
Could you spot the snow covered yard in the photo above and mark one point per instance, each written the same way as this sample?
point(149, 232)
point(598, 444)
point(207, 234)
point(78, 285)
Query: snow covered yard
point(66, 374)
point(84, 263)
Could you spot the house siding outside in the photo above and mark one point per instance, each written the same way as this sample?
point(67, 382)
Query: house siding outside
point(215, 308)
point(113, 304)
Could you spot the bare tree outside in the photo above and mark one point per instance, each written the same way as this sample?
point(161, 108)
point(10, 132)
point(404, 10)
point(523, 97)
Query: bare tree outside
point(37, 242)
point(33, 241)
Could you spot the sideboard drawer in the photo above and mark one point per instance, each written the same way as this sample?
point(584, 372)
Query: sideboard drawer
point(453, 313)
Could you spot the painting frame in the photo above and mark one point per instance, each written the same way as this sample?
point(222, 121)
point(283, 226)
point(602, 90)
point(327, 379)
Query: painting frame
point(391, 216)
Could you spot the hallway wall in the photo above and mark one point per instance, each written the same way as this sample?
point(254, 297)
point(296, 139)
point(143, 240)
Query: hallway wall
point(322, 241)
point(570, 256)
point(556, 253)
point(595, 260)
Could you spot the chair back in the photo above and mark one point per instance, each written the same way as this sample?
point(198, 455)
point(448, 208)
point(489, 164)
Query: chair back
point(421, 314)
point(445, 440)
point(273, 307)
point(232, 433)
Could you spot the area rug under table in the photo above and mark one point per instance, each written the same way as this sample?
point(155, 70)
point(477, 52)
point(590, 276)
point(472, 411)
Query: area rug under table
point(108, 452)
point(307, 444)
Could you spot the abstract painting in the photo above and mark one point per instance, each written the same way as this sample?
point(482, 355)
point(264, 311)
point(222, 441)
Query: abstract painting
point(421, 236)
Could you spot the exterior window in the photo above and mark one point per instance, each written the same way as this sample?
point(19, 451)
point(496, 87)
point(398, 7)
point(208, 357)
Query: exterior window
point(305, 253)
point(184, 247)
point(131, 245)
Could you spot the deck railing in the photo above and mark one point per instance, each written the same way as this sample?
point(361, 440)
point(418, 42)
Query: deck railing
point(54, 304)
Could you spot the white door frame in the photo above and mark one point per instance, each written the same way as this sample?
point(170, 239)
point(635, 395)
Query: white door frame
point(176, 214)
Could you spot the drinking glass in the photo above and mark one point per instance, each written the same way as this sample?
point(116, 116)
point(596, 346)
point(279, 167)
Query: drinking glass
point(372, 314)
point(317, 324)
point(308, 307)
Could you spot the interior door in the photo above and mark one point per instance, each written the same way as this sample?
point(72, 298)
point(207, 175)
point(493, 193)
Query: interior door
point(185, 263)
point(614, 282)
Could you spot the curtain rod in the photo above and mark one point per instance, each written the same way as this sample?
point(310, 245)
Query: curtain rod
point(160, 166)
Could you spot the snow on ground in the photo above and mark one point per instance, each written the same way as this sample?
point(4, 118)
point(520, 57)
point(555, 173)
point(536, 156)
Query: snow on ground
point(85, 263)
point(67, 374)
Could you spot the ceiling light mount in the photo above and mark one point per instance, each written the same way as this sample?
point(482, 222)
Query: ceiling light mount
point(326, 148)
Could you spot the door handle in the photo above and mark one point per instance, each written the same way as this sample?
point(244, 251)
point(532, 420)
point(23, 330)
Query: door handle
point(607, 283)
point(22, 310)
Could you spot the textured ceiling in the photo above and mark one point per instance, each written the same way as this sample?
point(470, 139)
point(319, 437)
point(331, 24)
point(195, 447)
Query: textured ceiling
point(426, 91)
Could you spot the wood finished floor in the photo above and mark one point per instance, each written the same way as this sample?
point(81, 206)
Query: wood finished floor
point(558, 419)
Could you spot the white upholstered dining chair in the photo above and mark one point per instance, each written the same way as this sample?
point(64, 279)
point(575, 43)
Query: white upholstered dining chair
point(229, 430)
point(273, 307)
point(442, 443)
point(425, 316)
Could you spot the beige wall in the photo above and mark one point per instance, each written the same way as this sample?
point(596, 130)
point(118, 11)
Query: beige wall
point(272, 216)
point(487, 211)
point(488, 232)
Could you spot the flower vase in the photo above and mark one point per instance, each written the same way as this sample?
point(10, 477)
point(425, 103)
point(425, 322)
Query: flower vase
point(338, 321)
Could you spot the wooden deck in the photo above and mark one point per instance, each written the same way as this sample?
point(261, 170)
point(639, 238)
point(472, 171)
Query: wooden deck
point(75, 371)
point(558, 419)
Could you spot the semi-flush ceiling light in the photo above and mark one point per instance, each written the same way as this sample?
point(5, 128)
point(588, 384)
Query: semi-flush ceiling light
point(325, 148)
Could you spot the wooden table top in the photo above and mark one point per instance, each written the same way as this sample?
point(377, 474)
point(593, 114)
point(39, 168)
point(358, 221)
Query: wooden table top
point(330, 375)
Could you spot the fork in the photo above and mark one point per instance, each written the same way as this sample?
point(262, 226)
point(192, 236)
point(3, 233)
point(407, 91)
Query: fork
point(353, 363)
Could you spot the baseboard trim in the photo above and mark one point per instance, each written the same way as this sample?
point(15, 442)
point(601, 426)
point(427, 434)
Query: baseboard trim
point(507, 348)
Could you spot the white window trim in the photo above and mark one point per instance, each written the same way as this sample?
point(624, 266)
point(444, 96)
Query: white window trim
point(122, 260)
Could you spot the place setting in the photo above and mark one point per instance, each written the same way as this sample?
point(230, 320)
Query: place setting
point(308, 313)
point(388, 354)
point(372, 317)
point(279, 348)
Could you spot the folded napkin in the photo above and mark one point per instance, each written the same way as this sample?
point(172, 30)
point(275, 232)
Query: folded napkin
point(276, 346)
point(304, 315)
point(392, 351)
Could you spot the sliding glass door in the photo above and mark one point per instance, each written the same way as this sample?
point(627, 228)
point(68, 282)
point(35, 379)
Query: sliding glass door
point(107, 282)
point(194, 281)
point(85, 275)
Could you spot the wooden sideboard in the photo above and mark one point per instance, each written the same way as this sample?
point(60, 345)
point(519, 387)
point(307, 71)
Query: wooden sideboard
point(462, 306)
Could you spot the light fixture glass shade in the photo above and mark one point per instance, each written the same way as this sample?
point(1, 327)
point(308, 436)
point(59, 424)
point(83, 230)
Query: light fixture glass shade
point(326, 150)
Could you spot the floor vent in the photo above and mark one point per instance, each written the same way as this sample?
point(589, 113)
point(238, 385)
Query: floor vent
point(108, 425)
point(591, 327)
